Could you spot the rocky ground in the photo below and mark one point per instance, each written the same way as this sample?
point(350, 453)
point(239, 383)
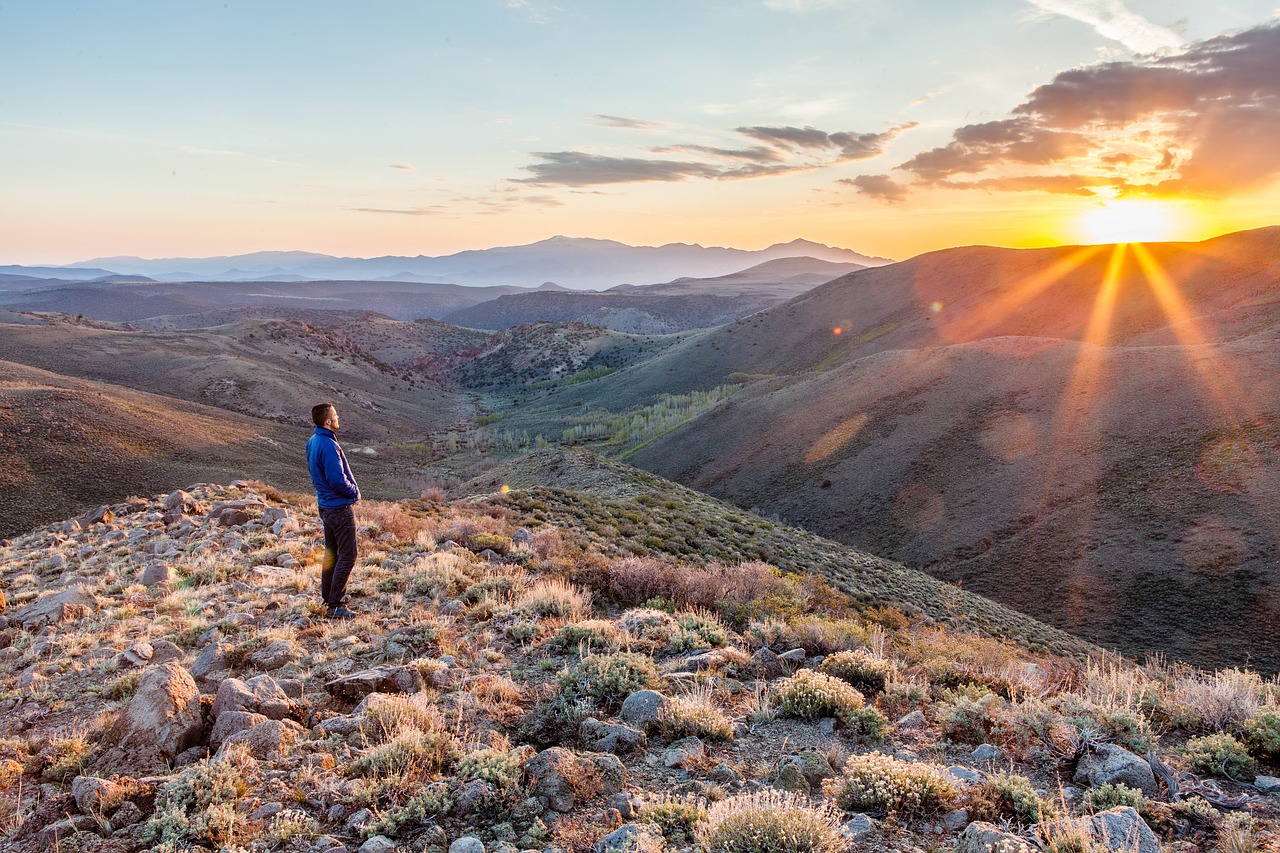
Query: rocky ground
point(168, 681)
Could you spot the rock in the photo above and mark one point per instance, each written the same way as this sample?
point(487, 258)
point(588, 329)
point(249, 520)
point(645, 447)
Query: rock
point(966, 775)
point(101, 515)
point(983, 837)
point(139, 654)
point(156, 573)
point(560, 777)
point(380, 679)
point(474, 797)
point(1267, 784)
point(702, 662)
point(259, 694)
point(1107, 763)
point(522, 538)
point(56, 608)
point(792, 656)
point(211, 664)
point(178, 500)
point(275, 655)
point(467, 844)
point(163, 717)
point(236, 512)
point(54, 835)
point(100, 796)
point(1123, 829)
point(790, 778)
point(631, 838)
point(643, 708)
point(954, 820)
point(986, 752)
point(610, 737)
point(378, 844)
point(267, 739)
point(723, 774)
point(857, 827)
point(229, 723)
point(267, 810)
point(914, 720)
point(163, 651)
point(812, 764)
point(765, 664)
point(684, 751)
point(128, 814)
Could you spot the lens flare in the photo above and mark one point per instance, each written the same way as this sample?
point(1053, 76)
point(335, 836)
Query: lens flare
point(1128, 221)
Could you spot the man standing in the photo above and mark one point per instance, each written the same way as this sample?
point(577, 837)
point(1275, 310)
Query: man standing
point(336, 492)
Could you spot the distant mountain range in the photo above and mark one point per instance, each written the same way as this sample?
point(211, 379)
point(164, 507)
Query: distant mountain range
point(572, 262)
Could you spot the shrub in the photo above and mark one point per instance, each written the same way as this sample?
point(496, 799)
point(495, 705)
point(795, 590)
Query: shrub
point(881, 783)
point(1110, 796)
point(419, 809)
point(499, 767)
point(608, 679)
point(124, 686)
point(198, 806)
point(695, 714)
point(1219, 753)
point(769, 822)
point(410, 755)
point(809, 695)
point(391, 716)
point(443, 574)
point(861, 669)
point(1262, 732)
point(480, 541)
point(65, 758)
point(600, 634)
point(1009, 795)
point(821, 635)
point(967, 714)
point(290, 825)
point(1238, 834)
point(554, 597)
point(649, 624)
point(390, 518)
point(675, 818)
point(1215, 701)
point(1124, 725)
point(698, 630)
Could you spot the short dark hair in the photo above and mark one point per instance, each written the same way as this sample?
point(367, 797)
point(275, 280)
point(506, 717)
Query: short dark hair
point(319, 412)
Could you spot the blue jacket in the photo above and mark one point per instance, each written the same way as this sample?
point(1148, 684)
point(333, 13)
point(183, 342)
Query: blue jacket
point(330, 473)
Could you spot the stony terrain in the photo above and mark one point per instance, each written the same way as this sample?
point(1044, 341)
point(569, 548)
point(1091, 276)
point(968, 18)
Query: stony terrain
point(168, 682)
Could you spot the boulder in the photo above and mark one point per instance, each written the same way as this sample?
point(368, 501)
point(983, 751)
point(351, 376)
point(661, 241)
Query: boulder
point(467, 844)
point(632, 838)
point(561, 778)
point(101, 796)
point(379, 679)
point(260, 694)
point(610, 737)
point(275, 655)
point(643, 708)
point(268, 738)
point(1107, 763)
point(156, 573)
point(684, 751)
point(231, 723)
point(163, 717)
point(1122, 829)
point(211, 664)
point(56, 608)
point(983, 837)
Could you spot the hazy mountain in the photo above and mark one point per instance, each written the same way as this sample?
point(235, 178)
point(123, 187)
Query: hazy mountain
point(568, 261)
point(677, 306)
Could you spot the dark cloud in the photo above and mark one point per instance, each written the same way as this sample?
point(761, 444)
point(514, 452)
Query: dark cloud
point(785, 149)
point(404, 167)
point(630, 123)
point(1209, 118)
point(877, 186)
point(976, 147)
point(579, 169)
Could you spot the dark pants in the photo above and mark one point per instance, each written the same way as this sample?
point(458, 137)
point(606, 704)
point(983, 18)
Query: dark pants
point(339, 552)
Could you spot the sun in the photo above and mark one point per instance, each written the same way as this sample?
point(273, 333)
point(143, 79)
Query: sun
point(1128, 221)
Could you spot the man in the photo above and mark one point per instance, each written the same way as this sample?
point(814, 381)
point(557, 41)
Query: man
point(336, 493)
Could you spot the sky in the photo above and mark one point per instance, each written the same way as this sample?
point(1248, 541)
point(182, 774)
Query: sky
point(178, 128)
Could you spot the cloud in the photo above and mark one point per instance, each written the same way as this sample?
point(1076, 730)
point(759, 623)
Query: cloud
point(1202, 122)
point(433, 210)
point(629, 123)
point(784, 149)
point(1112, 20)
point(877, 186)
point(534, 13)
point(404, 167)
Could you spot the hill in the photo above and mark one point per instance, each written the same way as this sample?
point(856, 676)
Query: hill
point(1100, 456)
point(677, 306)
point(514, 682)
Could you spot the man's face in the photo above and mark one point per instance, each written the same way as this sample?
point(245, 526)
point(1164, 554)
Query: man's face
point(331, 422)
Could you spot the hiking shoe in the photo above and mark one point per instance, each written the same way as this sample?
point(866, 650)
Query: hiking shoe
point(340, 612)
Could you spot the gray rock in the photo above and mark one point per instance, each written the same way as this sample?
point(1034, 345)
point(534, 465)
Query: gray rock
point(986, 752)
point(966, 775)
point(211, 664)
point(267, 740)
point(275, 655)
point(163, 651)
point(632, 838)
point(914, 720)
point(260, 694)
point(684, 751)
point(1107, 763)
point(229, 723)
point(1123, 829)
point(156, 573)
point(954, 820)
point(1267, 784)
point(857, 827)
point(163, 717)
point(793, 656)
point(379, 679)
point(139, 654)
point(378, 844)
point(723, 774)
point(267, 810)
point(128, 814)
point(555, 774)
point(467, 844)
point(983, 837)
point(643, 707)
point(56, 608)
point(610, 737)
point(99, 796)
